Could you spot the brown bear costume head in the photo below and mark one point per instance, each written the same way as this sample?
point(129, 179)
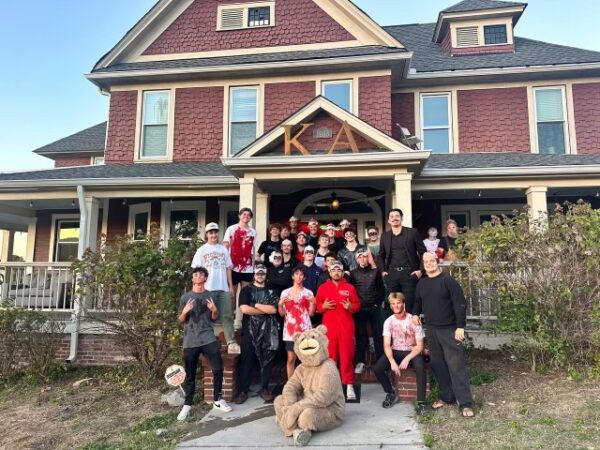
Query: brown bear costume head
point(311, 346)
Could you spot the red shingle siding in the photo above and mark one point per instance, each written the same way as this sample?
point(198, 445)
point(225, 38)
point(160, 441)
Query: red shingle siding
point(508, 48)
point(403, 113)
point(447, 42)
point(198, 124)
point(72, 161)
point(284, 99)
point(375, 102)
point(195, 29)
point(118, 218)
point(121, 127)
point(42, 236)
point(586, 99)
point(493, 120)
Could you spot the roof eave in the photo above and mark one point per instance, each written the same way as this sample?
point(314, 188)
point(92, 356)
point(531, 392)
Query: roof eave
point(486, 172)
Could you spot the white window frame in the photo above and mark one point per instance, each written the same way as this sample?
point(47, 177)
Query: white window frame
point(230, 112)
point(565, 116)
point(53, 227)
point(350, 83)
point(168, 124)
point(168, 207)
point(246, 7)
point(474, 212)
point(450, 117)
point(495, 25)
point(134, 210)
point(97, 160)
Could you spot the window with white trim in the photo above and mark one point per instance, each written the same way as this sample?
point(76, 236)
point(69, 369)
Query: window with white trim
point(467, 37)
point(495, 34)
point(98, 160)
point(252, 15)
point(550, 120)
point(243, 117)
point(339, 92)
point(436, 123)
point(182, 219)
point(139, 220)
point(155, 124)
point(66, 240)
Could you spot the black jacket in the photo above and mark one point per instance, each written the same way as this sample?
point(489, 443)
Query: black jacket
point(369, 287)
point(279, 278)
point(414, 246)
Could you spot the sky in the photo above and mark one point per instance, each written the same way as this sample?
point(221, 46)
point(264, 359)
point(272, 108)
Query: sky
point(46, 47)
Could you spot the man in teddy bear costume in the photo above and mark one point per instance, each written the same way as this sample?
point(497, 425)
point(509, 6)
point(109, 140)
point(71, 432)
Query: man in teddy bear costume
point(312, 399)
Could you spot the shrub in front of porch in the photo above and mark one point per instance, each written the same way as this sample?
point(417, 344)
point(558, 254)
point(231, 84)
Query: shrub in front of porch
point(131, 289)
point(546, 278)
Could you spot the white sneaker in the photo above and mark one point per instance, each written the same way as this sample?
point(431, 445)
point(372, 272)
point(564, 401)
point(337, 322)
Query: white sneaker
point(360, 368)
point(234, 348)
point(222, 405)
point(350, 394)
point(184, 413)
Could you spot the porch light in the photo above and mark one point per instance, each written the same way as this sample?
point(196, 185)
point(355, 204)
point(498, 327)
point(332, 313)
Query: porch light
point(31, 204)
point(479, 193)
point(335, 203)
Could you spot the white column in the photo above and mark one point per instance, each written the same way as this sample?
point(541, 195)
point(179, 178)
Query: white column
point(261, 217)
point(11, 245)
point(403, 196)
point(31, 234)
point(538, 203)
point(4, 245)
point(88, 231)
point(248, 191)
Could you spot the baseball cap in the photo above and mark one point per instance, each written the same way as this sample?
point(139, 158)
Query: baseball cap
point(362, 252)
point(330, 226)
point(293, 219)
point(336, 265)
point(260, 269)
point(211, 227)
point(313, 220)
point(345, 222)
point(309, 248)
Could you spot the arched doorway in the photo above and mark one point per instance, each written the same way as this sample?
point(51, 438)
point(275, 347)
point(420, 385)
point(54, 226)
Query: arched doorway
point(363, 211)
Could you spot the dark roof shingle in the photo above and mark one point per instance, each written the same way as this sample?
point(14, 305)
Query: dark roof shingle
point(430, 57)
point(507, 160)
point(91, 139)
point(478, 5)
point(173, 170)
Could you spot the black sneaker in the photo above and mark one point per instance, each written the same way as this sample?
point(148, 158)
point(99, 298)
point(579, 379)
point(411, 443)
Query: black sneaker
point(389, 401)
point(423, 408)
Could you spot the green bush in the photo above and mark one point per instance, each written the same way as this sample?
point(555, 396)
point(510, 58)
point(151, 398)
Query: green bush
point(132, 290)
point(546, 280)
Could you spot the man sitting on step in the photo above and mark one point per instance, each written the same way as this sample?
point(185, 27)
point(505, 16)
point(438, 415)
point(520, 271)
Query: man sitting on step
point(403, 344)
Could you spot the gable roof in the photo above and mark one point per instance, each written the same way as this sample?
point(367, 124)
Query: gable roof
point(308, 111)
point(430, 57)
point(479, 5)
point(90, 140)
point(165, 12)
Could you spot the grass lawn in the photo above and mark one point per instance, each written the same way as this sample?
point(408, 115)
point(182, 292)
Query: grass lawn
point(517, 409)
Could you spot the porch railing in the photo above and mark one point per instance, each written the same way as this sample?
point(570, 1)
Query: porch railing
point(39, 286)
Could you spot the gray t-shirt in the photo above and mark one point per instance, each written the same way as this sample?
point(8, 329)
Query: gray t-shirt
point(197, 328)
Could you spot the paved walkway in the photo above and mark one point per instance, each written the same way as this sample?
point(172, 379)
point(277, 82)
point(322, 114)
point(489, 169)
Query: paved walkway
point(367, 426)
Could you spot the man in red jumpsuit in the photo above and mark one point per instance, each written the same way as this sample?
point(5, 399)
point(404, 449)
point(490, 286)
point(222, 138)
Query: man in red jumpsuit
point(337, 301)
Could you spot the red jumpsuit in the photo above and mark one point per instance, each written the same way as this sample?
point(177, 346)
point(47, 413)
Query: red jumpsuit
point(340, 324)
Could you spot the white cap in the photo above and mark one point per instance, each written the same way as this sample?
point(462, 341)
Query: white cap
point(211, 226)
point(309, 248)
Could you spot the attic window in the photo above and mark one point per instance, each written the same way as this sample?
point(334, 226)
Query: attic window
point(495, 34)
point(251, 15)
point(467, 37)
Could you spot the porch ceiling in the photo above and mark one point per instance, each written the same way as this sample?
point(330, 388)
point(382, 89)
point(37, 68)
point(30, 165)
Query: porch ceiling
point(280, 187)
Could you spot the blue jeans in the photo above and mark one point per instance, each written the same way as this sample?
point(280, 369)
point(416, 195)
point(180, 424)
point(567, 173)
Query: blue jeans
point(222, 300)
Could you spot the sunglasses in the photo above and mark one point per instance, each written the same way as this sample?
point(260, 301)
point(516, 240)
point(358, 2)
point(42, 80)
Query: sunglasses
point(276, 257)
point(372, 233)
point(308, 251)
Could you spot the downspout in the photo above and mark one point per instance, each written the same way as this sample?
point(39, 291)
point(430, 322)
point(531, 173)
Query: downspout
point(83, 244)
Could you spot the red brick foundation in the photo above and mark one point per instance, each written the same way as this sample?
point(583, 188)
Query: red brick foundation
point(230, 366)
point(93, 350)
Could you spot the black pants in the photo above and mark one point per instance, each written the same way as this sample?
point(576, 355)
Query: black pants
point(403, 281)
point(361, 319)
point(248, 361)
point(448, 363)
point(417, 363)
point(190, 360)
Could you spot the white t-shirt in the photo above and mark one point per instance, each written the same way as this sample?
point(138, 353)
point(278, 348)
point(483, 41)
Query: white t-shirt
point(403, 333)
point(430, 245)
point(241, 247)
point(216, 259)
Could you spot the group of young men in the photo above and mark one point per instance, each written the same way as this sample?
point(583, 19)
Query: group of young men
point(342, 284)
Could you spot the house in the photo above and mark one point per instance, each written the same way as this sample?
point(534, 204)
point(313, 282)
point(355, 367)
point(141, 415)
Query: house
point(283, 106)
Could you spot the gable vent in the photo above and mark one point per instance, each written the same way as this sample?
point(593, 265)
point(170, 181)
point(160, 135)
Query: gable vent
point(232, 18)
point(467, 37)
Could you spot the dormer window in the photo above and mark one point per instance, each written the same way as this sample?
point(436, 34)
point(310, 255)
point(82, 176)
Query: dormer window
point(495, 34)
point(244, 16)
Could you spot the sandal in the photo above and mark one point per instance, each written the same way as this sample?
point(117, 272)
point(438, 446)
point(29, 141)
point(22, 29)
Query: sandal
point(467, 412)
point(438, 404)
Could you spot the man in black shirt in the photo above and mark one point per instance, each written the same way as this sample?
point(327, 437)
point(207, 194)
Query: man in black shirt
point(441, 299)
point(399, 257)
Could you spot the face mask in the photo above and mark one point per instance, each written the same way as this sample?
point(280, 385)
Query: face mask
point(432, 233)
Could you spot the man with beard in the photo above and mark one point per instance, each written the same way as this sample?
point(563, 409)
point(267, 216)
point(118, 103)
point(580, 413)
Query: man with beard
point(260, 334)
